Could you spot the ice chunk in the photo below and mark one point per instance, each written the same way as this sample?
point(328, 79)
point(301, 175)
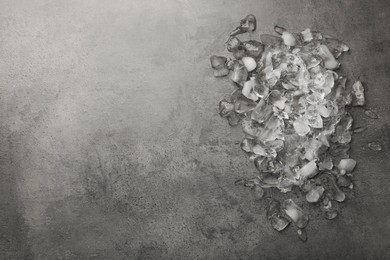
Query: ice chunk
point(328, 58)
point(301, 126)
point(217, 62)
point(295, 213)
point(371, 114)
point(248, 87)
point(358, 93)
point(253, 48)
point(233, 43)
point(375, 146)
point(343, 181)
point(315, 194)
point(258, 192)
point(222, 72)
point(248, 24)
point(275, 215)
point(247, 145)
point(307, 36)
point(240, 73)
point(288, 39)
point(225, 107)
point(309, 170)
point(346, 165)
point(249, 63)
point(302, 235)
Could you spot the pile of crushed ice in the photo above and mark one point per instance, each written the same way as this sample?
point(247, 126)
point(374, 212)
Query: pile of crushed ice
point(291, 103)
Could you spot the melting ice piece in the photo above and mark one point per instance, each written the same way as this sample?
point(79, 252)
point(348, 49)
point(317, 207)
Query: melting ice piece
point(233, 43)
point(301, 126)
point(343, 181)
point(302, 235)
point(222, 72)
point(275, 215)
point(358, 93)
point(248, 24)
point(346, 165)
point(225, 107)
point(271, 40)
point(262, 112)
point(315, 194)
point(244, 105)
point(240, 74)
point(333, 191)
point(247, 89)
point(307, 36)
point(371, 114)
point(217, 62)
point(295, 213)
point(288, 38)
point(253, 48)
point(335, 46)
point(258, 192)
point(331, 213)
point(247, 145)
point(375, 146)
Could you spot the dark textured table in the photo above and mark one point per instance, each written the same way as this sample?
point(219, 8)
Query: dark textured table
point(112, 147)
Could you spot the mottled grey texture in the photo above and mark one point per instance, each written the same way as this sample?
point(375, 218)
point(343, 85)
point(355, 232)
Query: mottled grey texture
point(112, 147)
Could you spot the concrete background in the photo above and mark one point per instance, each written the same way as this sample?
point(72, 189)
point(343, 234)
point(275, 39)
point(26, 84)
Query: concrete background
point(112, 147)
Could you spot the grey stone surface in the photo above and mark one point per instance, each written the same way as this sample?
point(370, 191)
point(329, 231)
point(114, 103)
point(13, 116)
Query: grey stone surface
point(112, 147)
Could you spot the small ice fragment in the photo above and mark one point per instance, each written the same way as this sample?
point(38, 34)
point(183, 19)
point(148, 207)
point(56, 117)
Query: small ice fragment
point(288, 39)
point(249, 63)
point(326, 164)
point(302, 235)
point(309, 170)
point(232, 43)
point(346, 165)
point(230, 63)
point(295, 213)
point(329, 60)
point(240, 74)
point(307, 35)
point(270, 40)
point(248, 24)
point(244, 105)
point(233, 118)
point(279, 29)
point(359, 129)
point(335, 46)
point(358, 93)
point(343, 181)
point(301, 127)
point(253, 48)
point(275, 216)
point(217, 62)
point(258, 192)
point(225, 108)
point(279, 222)
point(247, 145)
point(371, 114)
point(239, 52)
point(277, 99)
point(315, 194)
point(333, 191)
point(248, 87)
point(259, 150)
point(222, 72)
point(331, 214)
point(375, 146)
